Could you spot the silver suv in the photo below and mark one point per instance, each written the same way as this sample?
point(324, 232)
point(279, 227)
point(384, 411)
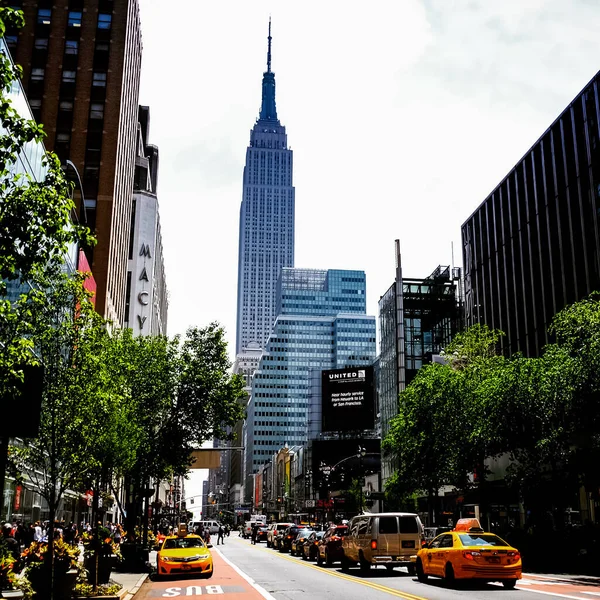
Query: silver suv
point(274, 529)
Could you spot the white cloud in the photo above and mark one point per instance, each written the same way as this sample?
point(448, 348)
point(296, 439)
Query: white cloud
point(402, 116)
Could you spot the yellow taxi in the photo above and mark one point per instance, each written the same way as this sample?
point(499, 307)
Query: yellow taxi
point(184, 553)
point(468, 552)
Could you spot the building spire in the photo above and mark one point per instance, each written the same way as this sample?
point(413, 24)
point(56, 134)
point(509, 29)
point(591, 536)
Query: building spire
point(268, 111)
point(269, 48)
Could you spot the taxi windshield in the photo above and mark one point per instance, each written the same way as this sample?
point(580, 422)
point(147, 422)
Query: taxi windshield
point(183, 543)
point(481, 539)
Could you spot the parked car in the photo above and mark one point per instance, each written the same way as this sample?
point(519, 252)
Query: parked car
point(389, 539)
point(272, 532)
point(278, 539)
point(298, 541)
point(468, 552)
point(310, 547)
point(330, 549)
point(261, 533)
point(285, 543)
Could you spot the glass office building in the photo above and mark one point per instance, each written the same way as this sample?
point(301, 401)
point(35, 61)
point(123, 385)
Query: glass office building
point(417, 319)
point(533, 246)
point(321, 324)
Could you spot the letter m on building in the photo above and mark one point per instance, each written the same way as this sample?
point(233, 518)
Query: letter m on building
point(145, 250)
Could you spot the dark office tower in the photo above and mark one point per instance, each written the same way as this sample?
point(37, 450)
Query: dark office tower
point(81, 64)
point(417, 319)
point(266, 242)
point(533, 245)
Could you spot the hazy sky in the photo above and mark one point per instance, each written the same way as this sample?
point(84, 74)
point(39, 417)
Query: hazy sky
point(403, 116)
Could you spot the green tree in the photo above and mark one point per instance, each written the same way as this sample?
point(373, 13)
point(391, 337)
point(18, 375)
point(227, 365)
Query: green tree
point(35, 219)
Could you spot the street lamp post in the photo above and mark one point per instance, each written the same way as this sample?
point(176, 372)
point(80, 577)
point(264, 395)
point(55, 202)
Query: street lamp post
point(361, 455)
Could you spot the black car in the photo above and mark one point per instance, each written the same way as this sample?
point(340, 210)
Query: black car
point(261, 534)
point(278, 539)
point(298, 541)
point(310, 549)
point(289, 535)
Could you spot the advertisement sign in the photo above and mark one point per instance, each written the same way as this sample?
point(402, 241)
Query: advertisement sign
point(347, 399)
point(18, 492)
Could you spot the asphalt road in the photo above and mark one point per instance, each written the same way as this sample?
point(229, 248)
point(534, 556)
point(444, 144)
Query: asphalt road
point(243, 570)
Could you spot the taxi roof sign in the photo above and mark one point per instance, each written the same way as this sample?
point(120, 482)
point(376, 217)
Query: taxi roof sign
point(182, 530)
point(468, 525)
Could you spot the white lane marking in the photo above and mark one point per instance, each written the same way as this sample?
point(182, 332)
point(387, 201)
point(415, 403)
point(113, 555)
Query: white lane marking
point(592, 593)
point(550, 593)
point(261, 590)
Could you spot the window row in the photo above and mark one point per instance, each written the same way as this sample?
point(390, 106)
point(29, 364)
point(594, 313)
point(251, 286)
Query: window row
point(74, 19)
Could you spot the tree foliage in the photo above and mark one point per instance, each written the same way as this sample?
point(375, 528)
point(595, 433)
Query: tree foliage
point(35, 220)
point(541, 412)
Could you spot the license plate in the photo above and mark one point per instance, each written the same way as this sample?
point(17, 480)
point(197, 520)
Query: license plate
point(184, 567)
point(494, 559)
point(408, 543)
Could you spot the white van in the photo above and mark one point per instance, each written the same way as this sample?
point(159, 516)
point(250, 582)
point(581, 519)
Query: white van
point(212, 526)
point(390, 539)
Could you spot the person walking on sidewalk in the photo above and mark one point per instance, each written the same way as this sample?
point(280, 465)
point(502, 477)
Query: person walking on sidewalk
point(220, 535)
point(254, 532)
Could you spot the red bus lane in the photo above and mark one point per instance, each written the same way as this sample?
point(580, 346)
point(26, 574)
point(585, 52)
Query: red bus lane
point(227, 582)
point(578, 588)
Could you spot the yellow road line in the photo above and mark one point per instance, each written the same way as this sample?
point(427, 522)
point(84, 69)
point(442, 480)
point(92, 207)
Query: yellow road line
point(375, 586)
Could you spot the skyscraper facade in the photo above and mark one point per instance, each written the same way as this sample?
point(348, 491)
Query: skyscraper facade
point(81, 64)
point(266, 240)
point(533, 246)
point(417, 319)
point(321, 324)
point(146, 301)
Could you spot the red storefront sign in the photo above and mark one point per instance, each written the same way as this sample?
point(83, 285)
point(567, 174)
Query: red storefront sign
point(18, 491)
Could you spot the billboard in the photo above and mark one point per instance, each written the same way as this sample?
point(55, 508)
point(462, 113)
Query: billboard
point(347, 399)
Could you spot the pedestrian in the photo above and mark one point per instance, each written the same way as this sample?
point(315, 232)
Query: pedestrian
point(10, 541)
point(38, 532)
point(227, 529)
point(220, 533)
point(254, 532)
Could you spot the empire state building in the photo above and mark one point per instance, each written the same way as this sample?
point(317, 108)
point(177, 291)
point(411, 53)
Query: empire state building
point(266, 243)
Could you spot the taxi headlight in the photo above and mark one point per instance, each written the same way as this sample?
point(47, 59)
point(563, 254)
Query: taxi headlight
point(165, 558)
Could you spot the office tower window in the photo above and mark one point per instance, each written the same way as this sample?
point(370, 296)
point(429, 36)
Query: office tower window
point(62, 145)
point(43, 16)
point(99, 80)
point(74, 19)
point(96, 111)
point(37, 74)
point(35, 103)
point(104, 21)
point(41, 43)
point(66, 105)
point(69, 76)
point(11, 41)
point(71, 47)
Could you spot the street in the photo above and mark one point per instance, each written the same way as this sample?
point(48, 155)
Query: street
point(239, 567)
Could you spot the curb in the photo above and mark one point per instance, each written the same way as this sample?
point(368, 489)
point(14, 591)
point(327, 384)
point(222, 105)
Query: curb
point(128, 594)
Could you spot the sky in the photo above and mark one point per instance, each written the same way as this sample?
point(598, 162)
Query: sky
point(403, 117)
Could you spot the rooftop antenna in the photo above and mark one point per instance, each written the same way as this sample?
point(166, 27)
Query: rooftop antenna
point(269, 50)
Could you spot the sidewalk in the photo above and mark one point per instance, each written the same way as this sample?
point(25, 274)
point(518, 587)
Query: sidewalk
point(131, 583)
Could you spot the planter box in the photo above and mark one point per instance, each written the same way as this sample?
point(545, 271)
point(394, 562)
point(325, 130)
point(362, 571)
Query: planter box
point(111, 597)
point(63, 584)
point(105, 567)
point(15, 594)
